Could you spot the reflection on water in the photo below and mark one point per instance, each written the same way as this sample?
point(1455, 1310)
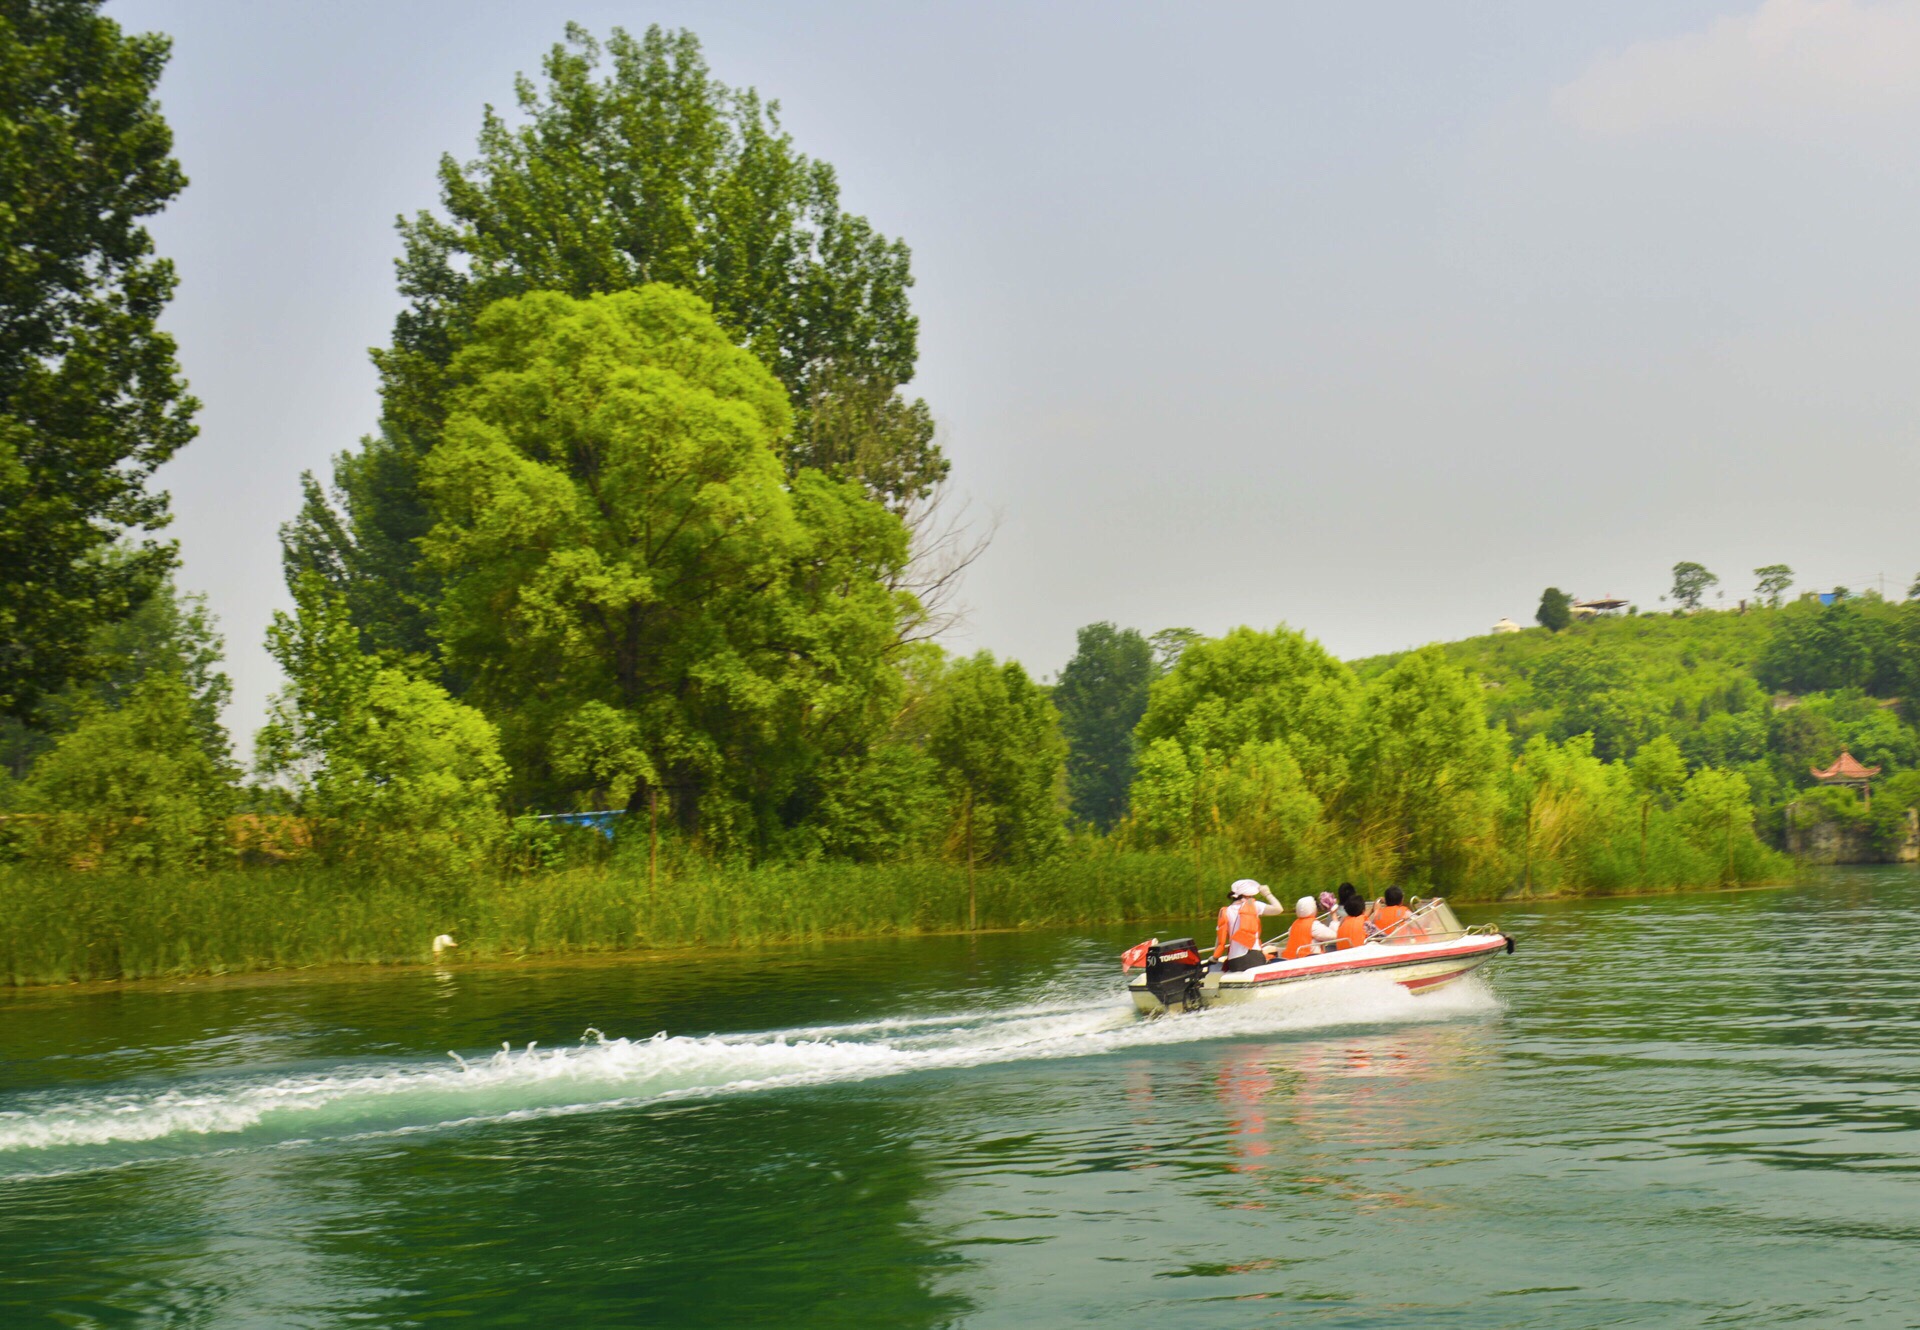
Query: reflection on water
point(1666, 1112)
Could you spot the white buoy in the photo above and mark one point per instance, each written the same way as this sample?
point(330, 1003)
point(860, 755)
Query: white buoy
point(442, 942)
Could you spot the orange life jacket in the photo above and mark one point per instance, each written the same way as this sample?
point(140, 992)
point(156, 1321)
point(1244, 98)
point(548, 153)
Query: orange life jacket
point(1245, 929)
point(1387, 916)
point(1299, 940)
point(1353, 931)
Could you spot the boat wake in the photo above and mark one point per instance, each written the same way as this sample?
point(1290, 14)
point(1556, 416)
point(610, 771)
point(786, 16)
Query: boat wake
point(115, 1127)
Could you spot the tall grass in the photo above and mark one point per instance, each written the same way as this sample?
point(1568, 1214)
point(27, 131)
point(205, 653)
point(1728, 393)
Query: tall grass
point(60, 926)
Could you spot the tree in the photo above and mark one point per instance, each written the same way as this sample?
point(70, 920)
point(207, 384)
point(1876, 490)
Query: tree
point(392, 773)
point(1101, 695)
point(132, 786)
point(1774, 580)
point(1429, 771)
point(656, 172)
point(1169, 644)
point(1847, 644)
point(1658, 769)
point(1716, 810)
point(91, 400)
point(1556, 610)
point(997, 741)
point(1599, 693)
point(170, 634)
point(617, 534)
point(1690, 582)
point(1255, 686)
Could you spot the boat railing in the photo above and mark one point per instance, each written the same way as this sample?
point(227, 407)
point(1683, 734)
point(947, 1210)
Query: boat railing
point(1431, 920)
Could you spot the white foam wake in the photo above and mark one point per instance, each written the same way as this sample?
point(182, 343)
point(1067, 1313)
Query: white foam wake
point(601, 1072)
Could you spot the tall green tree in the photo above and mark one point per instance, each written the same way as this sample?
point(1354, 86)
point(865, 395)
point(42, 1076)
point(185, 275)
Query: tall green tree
point(625, 557)
point(172, 633)
point(131, 785)
point(391, 773)
point(1556, 610)
point(631, 164)
point(1101, 694)
point(1691, 581)
point(1429, 771)
point(1847, 644)
point(91, 399)
point(1253, 686)
point(997, 741)
point(1772, 582)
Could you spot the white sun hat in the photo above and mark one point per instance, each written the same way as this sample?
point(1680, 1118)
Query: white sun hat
point(1306, 907)
point(1246, 886)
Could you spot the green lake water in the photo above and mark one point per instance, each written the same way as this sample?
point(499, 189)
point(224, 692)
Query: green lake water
point(1699, 1110)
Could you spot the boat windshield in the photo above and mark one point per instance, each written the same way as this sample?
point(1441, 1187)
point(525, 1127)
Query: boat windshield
point(1432, 920)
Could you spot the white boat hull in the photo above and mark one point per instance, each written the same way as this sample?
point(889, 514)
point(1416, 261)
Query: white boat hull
point(1418, 967)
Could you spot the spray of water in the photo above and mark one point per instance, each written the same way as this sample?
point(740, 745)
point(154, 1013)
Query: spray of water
point(602, 1072)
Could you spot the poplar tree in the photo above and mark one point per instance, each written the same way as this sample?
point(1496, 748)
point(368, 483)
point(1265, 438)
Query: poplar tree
point(1102, 694)
point(91, 399)
point(631, 165)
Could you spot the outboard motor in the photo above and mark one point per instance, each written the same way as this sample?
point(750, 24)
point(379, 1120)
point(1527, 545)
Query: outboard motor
point(1174, 973)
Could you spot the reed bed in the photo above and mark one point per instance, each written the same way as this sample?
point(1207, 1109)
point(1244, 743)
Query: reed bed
point(59, 926)
point(62, 926)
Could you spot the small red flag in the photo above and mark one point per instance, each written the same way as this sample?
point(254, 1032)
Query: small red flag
point(1136, 957)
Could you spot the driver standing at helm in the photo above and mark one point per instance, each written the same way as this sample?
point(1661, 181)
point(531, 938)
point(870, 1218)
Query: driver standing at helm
point(1239, 932)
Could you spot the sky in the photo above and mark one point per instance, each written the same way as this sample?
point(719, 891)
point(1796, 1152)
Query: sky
point(1372, 319)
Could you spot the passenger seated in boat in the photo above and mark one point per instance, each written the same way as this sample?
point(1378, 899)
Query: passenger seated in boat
point(1353, 928)
point(1238, 934)
point(1306, 933)
point(1392, 919)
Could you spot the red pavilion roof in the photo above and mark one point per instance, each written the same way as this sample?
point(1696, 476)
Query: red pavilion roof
point(1846, 767)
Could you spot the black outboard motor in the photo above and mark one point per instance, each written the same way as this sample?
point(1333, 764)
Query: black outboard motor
point(1174, 971)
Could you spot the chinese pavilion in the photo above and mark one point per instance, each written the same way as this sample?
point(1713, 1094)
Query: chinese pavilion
point(1846, 770)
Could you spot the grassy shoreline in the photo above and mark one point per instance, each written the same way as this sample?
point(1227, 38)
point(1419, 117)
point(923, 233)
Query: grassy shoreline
point(59, 927)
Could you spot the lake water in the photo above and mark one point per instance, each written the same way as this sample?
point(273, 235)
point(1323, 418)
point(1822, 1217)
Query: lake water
point(1680, 1111)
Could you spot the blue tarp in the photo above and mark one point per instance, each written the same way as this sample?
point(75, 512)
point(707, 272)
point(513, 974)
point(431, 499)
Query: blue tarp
point(601, 821)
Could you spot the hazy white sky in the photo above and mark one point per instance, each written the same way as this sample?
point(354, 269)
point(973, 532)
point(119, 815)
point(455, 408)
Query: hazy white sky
point(1371, 318)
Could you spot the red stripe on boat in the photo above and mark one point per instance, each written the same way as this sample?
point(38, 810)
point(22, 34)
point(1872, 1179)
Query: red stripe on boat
point(1378, 962)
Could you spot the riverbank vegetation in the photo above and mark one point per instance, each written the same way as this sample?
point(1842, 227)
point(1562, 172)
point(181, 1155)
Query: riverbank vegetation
point(650, 526)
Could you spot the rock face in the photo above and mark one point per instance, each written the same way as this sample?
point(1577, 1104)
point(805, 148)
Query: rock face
point(1833, 843)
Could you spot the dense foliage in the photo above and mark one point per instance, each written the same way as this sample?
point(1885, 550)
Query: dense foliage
point(132, 786)
point(91, 400)
point(655, 172)
point(1310, 770)
point(1767, 693)
point(1101, 694)
point(388, 771)
point(627, 568)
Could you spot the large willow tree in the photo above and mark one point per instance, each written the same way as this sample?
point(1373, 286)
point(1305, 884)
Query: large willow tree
point(630, 165)
point(635, 590)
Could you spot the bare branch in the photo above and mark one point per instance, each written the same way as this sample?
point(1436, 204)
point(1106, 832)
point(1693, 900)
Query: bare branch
point(942, 545)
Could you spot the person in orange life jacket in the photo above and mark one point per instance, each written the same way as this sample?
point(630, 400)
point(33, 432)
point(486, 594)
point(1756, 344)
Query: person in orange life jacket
point(1307, 932)
point(1353, 928)
point(1238, 934)
point(1391, 916)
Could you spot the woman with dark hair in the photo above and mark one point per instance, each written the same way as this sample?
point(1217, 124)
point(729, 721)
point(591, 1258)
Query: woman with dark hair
point(1392, 917)
point(1353, 928)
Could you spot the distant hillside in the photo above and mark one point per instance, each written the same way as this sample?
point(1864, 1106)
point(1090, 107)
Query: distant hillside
point(1768, 692)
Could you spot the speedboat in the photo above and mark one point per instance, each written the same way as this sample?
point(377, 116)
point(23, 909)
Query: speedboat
point(1427, 950)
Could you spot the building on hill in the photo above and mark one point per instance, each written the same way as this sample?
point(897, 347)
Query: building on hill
point(1607, 604)
point(1506, 625)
